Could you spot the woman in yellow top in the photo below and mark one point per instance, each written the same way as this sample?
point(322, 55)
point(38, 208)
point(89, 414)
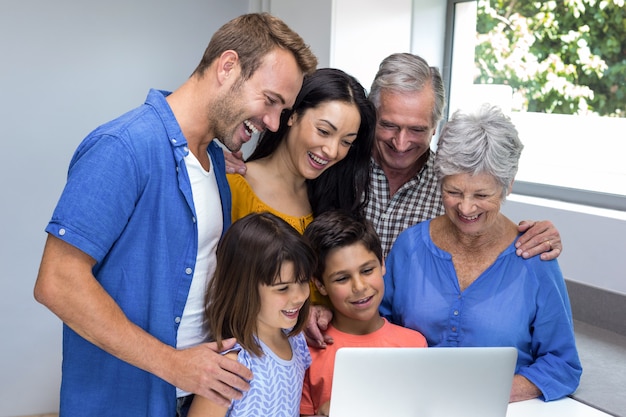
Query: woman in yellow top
point(317, 160)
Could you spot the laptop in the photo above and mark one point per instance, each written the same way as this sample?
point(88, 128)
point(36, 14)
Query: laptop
point(422, 382)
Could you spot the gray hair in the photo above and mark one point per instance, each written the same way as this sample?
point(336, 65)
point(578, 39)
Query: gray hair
point(485, 142)
point(406, 73)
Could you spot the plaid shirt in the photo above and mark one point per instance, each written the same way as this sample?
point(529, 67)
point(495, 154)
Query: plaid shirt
point(417, 200)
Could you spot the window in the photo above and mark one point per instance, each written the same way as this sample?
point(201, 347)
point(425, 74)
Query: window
point(562, 87)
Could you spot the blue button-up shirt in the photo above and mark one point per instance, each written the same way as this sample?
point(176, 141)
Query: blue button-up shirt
point(128, 204)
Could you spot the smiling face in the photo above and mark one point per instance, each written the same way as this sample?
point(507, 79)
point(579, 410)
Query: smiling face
point(321, 136)
point(404, 129)
point(281, 302)
point(353, 280)
point(256, 104)
point(472, 202)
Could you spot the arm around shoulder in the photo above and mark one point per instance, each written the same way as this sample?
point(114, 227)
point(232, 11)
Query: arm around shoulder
point(539, 238)
point(65, 284)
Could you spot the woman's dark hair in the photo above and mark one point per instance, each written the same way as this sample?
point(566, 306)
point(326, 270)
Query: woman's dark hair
point(251, 253)
point(344, 185)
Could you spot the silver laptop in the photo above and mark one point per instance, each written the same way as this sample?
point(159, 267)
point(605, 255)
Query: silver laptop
point(422, 382)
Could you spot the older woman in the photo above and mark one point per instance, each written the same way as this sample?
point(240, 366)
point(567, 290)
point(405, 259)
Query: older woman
point(456, 278)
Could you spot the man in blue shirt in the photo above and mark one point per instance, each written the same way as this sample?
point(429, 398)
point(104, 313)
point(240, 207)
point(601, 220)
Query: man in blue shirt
point(131, 243)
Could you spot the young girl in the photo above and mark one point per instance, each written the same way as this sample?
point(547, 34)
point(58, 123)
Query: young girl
point(260, 296)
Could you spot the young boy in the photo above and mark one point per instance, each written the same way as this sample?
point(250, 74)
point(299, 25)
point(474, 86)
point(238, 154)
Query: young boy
point(349, 272)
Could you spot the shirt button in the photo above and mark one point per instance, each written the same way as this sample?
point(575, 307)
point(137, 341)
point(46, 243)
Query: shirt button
point(193, 219)
point(456, 312)
point(188, 271)
point(61, 232)
point(177, 320)
point(173, 140)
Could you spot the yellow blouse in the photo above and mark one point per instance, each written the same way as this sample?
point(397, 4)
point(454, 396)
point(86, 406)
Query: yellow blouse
point(245, 201)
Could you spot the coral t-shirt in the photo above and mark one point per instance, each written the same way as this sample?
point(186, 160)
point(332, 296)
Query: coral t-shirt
point(318, 378)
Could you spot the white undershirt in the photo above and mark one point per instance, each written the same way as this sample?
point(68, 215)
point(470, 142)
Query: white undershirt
point(208, 204)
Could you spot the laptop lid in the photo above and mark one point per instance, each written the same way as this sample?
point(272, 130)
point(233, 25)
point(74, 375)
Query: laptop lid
point(422, 382)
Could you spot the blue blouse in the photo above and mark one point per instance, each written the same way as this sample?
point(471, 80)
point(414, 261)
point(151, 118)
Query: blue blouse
point(276, 388)
point(515, 302)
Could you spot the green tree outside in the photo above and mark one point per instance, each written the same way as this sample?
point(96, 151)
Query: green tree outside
point(565, 56)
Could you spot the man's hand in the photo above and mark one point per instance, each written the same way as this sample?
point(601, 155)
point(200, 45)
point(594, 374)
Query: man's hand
point(538, 238)
point(234, 162)
point(317, 323)
point(204, 371)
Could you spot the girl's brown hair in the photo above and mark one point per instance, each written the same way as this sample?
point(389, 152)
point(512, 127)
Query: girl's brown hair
point(251, 253)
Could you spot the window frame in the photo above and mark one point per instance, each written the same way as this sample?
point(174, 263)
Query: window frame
point(551, 192)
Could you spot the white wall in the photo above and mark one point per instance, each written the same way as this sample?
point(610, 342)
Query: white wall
point(311, 19)
point(67, 66)
point(428, 30)
point(364, 32)
point(354, 35)
point(594, 252)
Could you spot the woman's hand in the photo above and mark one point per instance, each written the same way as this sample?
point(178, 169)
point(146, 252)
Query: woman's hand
point(234, 162)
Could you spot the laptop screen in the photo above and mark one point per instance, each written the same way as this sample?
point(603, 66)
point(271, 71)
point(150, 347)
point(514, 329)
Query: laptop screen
point(417, 382)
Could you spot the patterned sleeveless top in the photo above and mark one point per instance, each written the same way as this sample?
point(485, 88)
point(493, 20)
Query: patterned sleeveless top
point(276, 388)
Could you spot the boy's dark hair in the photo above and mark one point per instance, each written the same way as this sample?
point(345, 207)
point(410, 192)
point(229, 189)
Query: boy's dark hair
point(337, 229)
